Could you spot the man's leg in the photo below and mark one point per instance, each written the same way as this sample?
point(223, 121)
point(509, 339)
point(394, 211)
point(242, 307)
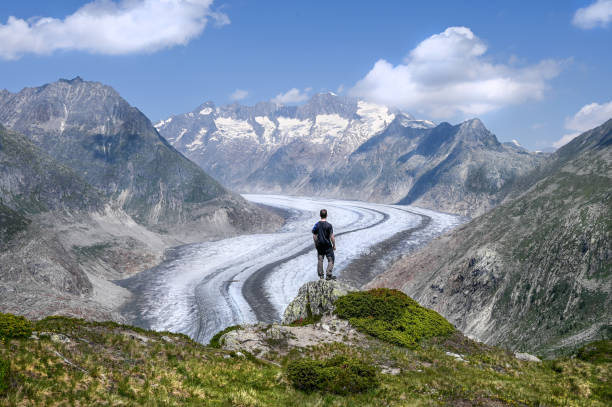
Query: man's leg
point(320, 265)
point(330, 263)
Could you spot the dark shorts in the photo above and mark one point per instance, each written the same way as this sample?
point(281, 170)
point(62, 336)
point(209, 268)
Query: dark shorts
point(327, 252)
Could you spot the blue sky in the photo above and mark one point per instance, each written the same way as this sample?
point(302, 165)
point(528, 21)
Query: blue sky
point(532, 71)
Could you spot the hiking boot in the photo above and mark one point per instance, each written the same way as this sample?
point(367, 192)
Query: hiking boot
point(330, 278)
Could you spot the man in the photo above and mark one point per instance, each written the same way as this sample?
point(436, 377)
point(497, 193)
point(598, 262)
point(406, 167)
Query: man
point(323, 236)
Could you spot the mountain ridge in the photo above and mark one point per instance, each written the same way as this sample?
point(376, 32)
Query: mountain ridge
point(328, 147)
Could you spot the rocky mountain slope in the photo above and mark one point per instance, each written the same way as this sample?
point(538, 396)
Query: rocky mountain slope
point(341, 147)
point(534, 273)
point(90, 194)
point(34, 265)
point(88, 127)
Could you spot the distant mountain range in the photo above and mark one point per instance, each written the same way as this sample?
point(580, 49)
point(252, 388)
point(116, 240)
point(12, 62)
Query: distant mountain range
point(535, 272)
point(89, 193)
point(348, 148)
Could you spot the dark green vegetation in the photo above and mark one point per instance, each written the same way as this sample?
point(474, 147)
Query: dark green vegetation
point(596, 352)
point(392, 316)
point(214, 341)
point(93, 364)
point(339, 375)
point(12, 326)
point(5, 366)
point(310, 319)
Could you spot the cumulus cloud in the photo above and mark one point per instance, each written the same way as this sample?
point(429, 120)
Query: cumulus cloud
point(111, 28)
point(598, 14)
point(447, 74)
point(239, 94)
point(293, 95)
point(588, 117)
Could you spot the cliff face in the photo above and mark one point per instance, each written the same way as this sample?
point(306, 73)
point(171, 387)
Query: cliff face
point(534, 273)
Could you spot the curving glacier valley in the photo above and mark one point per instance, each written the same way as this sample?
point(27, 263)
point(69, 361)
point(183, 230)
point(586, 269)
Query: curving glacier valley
point(202, 288)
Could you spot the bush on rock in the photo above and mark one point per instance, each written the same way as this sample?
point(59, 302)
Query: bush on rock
point(392, 316)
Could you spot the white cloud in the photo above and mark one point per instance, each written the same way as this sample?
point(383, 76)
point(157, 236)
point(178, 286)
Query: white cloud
point(588, 117)
point(598, 14)
point(239, 94)
point(112, 28)
point(565, 139)
point(447, 74)
point(293, 95)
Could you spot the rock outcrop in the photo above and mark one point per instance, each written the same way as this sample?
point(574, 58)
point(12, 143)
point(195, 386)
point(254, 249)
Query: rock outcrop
point(261, 339)
point(315, 299)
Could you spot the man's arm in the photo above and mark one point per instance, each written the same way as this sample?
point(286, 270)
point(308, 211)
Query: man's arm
point(315, 237)
point(333, 240)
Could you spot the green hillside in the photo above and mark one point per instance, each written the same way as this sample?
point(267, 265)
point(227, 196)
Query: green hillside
point(71, 362)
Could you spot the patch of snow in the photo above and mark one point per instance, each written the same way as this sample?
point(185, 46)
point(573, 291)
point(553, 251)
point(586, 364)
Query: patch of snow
point(375, 117)
point(206, 111)
point(269, 128)
point(417, 124)
point(181, 134)
point(328, 126)
point(162, 123)
point(290, 128)
point(230, 128)
point(373, 120)
point(515, 142)
point(197, 141)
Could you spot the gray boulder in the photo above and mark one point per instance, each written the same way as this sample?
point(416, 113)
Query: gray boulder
point(315, 298)
point(527, 357)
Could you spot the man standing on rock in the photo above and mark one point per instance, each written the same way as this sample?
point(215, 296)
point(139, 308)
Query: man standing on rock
point(323, 236)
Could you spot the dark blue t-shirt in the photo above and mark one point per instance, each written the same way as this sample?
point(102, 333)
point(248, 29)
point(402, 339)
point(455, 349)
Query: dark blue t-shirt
point(323, 230)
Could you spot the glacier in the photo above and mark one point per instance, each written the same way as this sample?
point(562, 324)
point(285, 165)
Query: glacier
point(204, 287)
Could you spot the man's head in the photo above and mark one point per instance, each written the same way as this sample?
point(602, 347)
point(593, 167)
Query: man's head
point(323, 213)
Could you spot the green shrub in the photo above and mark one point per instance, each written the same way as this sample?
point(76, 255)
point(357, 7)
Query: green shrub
point(12, 326)
point(392, 316)
point(215, 340)
point(4, 375)
point(340, 375)
point(596, 352)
